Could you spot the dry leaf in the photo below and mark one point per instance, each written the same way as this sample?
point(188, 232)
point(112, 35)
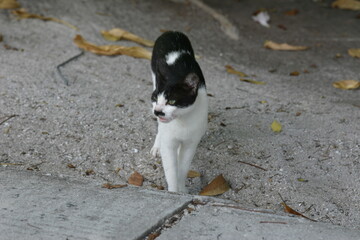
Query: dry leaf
point(347, 84)
point(292, 211)
point(276, 126)
point(89, 172)
point(281, 26)
point(231, 70)
point(252, 81)
point(71, 165)
point(262, 17)
point(291, 12)
point(9, 4)
point(283, 46)
point(22, 13)
point(110, 50)
point(295, 73)
point(302, 180)
point(116, 34)
point(136, 179)
point(354, 52)
point(153, 236)
point(193, 174)
point(346, 4)
point(111, 186)
point(215, 187)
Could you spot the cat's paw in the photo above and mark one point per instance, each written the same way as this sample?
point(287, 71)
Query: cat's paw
point(155, 152)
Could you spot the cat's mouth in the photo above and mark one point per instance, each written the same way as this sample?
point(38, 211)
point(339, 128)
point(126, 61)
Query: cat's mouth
point(164, 120)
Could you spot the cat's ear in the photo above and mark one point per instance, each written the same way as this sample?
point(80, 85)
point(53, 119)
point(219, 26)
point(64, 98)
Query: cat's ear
point(192, 81)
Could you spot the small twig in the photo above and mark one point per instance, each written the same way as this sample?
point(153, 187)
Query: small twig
point(253, 165)
point(8, 118)
point(273, 222)
point(66, 81)
point(240, 208)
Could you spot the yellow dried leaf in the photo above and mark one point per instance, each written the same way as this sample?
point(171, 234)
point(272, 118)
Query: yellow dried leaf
point(116, 34)
point(22, 13)
point(252, 81)
point(193, 174)
point(9, 4)
point(231, 70)
point(217, 186)
point(347, 84)
point(110, 50)
point(136, 179)
point(276, 126)
point(283, 46)
point(346, 4)
point(354, 52)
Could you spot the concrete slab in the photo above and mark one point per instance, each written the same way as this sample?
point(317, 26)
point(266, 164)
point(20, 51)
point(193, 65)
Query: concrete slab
point(42, 207)
point(214, 222)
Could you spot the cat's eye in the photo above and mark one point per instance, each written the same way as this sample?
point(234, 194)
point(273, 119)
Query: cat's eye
point(171, 102)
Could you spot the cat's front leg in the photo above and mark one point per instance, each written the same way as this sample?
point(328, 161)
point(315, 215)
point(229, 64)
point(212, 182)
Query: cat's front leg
point(155, 150)
point(169, 152)
point(186, 155)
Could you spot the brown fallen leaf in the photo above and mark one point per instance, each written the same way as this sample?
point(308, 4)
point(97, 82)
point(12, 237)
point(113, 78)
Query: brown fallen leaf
point(295, 73)
point(70, 165)
point(252, 81)
point(89, 172)
point(347, 84)
point(9, 4)
point(116, 34)
point(231, 70)
point(136, 179)
point(283, 46)
point(354, 52)
point(193, 174)
point(110, 50)
point(292, 211)
point(291, 12)
point(216, 187)
point(153, 236)
point(112, 186)
point(281, 26)
point(346, 4)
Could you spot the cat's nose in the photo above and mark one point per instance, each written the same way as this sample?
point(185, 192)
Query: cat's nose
point(159, 113)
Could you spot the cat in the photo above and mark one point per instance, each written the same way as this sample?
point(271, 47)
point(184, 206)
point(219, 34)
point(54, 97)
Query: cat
point(180, 104)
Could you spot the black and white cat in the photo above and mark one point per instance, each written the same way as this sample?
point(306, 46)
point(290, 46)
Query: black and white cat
point(180, 105)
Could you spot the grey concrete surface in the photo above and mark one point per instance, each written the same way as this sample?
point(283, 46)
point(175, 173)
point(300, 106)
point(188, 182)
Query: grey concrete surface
point(35, 206)
point(82, 125)
point(42, 207)
point(214, 222)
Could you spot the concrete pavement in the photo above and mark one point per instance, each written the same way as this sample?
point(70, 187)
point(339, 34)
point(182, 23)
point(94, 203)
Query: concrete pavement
point(34, 206)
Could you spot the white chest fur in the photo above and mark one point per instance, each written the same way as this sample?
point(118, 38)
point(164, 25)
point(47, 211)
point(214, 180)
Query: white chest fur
point(177, 140)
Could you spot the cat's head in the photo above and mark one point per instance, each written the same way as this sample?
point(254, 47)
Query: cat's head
point(171, 101)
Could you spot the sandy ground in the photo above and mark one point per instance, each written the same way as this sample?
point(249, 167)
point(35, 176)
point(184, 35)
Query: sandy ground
point(102, 125)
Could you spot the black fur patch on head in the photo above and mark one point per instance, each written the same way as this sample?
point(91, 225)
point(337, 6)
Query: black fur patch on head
point(179, 80)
